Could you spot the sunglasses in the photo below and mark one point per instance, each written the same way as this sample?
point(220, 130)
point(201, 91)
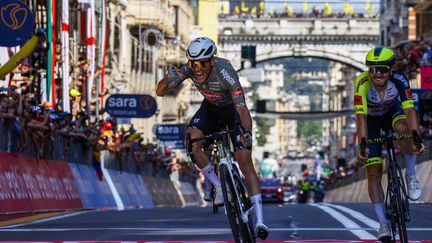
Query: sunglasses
point(379, 69)
point(199, 63)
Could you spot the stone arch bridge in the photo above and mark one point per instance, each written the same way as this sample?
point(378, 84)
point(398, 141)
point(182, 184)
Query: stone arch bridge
point(342, 40)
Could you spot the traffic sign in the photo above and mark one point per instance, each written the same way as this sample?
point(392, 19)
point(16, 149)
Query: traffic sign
point(131, 105)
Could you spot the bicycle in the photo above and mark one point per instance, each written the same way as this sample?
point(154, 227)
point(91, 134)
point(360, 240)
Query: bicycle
point(396, 200)
point(238, 206)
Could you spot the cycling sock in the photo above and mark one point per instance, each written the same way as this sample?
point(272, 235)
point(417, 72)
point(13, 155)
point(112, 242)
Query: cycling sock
point(207, 184)
point(410, 160)
point(210, 174)
point(380, 212)
point(257, 201)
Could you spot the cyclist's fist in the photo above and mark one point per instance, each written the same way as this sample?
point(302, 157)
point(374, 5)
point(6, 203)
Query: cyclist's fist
point(418, 144)
point(420, 149)
point(362, 157)
point(363, 152)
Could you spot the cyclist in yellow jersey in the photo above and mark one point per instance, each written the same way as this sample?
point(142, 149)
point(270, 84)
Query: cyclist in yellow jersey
point(377, 106)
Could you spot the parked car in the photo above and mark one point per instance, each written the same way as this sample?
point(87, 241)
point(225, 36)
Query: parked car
point(272, 190)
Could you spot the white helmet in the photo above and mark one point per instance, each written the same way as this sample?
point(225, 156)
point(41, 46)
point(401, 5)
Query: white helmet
point(201, 48)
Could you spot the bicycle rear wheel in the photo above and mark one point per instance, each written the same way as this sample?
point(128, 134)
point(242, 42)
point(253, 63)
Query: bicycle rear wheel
point(398, 204)
point(239, 229)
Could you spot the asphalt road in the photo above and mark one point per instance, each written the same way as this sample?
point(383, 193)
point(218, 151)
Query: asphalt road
point(289, 222)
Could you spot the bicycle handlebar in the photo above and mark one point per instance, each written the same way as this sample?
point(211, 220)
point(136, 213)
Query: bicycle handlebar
point(390, 136)
point(210, 136)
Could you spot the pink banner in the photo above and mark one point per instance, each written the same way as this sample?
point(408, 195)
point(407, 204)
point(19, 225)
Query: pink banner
point(426, 77)
point(26, 185)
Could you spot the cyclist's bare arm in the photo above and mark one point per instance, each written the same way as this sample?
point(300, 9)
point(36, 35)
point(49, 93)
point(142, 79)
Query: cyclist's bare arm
point(413, 125)
point(245, 117)
point(162, 88)
point(361, 124)
point(412, 120)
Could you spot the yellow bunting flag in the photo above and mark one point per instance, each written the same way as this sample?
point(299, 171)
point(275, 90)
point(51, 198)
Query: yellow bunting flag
point(237, 10)
point(327, 9)
point(244, 9)
point(261, 7)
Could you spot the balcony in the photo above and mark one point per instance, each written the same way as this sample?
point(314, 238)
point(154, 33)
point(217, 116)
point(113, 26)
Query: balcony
point(410, 3)
point(173, 54)
point(151, 13)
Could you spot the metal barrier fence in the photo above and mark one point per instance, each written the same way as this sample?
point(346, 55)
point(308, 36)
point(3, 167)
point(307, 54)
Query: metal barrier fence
point(361, 173)
point(81, 153)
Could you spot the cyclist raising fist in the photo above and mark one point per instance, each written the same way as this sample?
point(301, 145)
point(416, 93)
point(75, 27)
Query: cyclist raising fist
point(383, 100)
point(216, 79)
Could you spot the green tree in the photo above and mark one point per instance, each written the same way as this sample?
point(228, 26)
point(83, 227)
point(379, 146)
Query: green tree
point(310, 131)
point(263, 125)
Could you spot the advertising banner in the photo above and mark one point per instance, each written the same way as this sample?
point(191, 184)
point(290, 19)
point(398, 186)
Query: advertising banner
point(172, 135)
point(426, 77)
point(130, 105)
point(423, 105)
point(94, 192)
point(171, 132)
point(131, 188)
point(26, 185)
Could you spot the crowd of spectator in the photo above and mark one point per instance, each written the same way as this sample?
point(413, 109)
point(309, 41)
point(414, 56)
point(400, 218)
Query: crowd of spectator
point(287, 12)
point(413, 54)
point(37, 126)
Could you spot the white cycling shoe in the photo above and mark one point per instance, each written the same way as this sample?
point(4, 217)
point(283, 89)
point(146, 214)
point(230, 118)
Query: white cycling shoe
point(262, 230)
point(384, 232)
point(219, 201)
point(413, 187)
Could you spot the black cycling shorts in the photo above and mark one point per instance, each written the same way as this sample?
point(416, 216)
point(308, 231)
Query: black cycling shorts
point(207, 119)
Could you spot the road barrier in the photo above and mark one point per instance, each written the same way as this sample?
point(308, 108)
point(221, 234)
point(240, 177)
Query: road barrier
point(76, 180)
point(357, 192)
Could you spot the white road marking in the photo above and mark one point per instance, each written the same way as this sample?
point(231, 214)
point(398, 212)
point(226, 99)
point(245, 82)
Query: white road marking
point(112, 187)
point(348, 223)
point(189, 230)
point(357, 215)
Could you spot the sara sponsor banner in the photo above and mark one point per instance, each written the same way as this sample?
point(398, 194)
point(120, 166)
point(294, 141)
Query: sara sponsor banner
point(130, 105)
point(26, 185)
point(426, 77)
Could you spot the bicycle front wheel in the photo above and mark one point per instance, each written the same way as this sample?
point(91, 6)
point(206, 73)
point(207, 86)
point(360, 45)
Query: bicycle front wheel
point(239, 229)
point(398, 203)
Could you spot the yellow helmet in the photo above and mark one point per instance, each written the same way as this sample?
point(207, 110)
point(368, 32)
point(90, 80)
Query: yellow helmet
point(380, 56)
